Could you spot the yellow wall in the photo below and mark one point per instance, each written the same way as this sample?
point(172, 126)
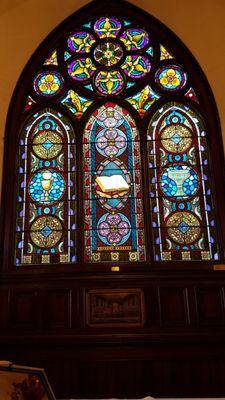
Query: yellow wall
point(200, 24)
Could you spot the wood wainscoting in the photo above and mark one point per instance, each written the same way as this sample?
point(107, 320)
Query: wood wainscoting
point(98, 336)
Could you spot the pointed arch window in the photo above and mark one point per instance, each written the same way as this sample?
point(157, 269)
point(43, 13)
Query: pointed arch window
point(180, 185)
point(46, 208)
point(113, 207)
point(116, 152)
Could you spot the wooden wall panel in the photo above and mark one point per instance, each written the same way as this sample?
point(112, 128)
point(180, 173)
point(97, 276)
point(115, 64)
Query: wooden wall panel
point(176, 348)
point(151, 306)
point(173, 306)
point(57, 309)
point(210, 305)
point(4, 309)
point(78, 308)
point(23, 309)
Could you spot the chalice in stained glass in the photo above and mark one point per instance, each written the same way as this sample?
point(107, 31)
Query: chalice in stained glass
point(179, 177)
point(47, 183)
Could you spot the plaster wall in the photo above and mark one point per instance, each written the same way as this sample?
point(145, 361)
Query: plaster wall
point(25, 23)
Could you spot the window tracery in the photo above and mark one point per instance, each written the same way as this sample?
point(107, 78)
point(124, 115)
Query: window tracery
point(106, 81)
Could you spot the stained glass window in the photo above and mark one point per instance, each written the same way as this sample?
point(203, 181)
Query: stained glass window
point(180, 186)
point(46, 208)
point(114, 226)
point(114, 148)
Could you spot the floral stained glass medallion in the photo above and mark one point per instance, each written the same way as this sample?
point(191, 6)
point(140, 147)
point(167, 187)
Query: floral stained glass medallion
point(81, 69)
point(176, 138)
point(136, 66)
point(107, 27)
point(109, 83)
point(183, 228)
point(48, 83)
point(46, 232)
point(171, 77)
point(47, 144)
point(108, 53)
point(81, 42)
point(135, 39)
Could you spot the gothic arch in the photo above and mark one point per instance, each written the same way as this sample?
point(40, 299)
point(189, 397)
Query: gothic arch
point(137, 63)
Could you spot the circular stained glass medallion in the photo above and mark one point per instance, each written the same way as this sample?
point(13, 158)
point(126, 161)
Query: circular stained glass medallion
point(179, 181)
point(134, 38)
point(109, 82)
point(46, 232)
point(81, 42)
point(183, 227)
point(46, 186)
point(107, 27)
point(48, 83)
point(47, 144)
point(81, 69)
point(171, 77)
point(111, 142)
point(176, 138)
point(114, 229)
point(136, 66)
point(108, 53)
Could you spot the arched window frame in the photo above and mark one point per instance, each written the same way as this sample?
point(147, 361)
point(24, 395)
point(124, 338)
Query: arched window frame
point(16, 119)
